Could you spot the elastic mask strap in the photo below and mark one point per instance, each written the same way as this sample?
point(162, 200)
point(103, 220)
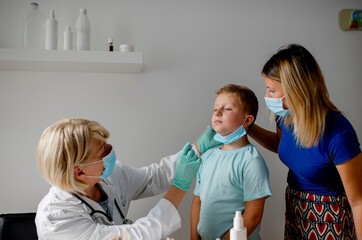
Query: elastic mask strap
point(93, 162)
point(244, 120)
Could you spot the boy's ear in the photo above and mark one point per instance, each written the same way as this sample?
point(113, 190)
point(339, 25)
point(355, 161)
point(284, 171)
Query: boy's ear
point(249, 120)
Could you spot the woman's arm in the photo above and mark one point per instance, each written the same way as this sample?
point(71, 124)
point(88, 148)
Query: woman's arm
point(175, 195)
point(269, 140)
point(252, 216)
point(351, 176)
point(194, 217)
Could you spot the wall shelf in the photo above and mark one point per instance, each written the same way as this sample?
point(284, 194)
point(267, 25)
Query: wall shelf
point(70, 61)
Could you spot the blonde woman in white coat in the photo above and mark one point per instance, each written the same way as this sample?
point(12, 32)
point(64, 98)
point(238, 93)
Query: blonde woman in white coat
point(91, 190)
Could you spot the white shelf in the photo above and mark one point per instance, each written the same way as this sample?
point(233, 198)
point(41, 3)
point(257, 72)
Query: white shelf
point(70, 61)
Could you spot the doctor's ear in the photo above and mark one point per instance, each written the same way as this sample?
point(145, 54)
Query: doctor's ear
point(78, 173)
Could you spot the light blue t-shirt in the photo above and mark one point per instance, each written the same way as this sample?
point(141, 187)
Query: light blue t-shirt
point(225, 180)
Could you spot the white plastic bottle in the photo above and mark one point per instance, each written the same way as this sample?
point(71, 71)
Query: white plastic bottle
point(51, 32)
point(33, 28)
point(82, 31)
point(238, 232)
point(68, 38)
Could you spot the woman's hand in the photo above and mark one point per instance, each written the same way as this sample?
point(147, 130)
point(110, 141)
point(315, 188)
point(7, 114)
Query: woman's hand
point(187, 165)
point(206, 141)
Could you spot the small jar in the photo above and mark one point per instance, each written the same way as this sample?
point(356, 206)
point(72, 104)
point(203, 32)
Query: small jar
point(110, 44)
point(126, 48)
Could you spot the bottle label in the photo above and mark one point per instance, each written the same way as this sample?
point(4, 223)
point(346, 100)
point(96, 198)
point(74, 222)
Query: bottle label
point(83, 40)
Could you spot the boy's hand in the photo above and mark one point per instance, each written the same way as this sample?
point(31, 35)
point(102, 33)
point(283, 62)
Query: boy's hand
point(187, 165)
point(206, 141)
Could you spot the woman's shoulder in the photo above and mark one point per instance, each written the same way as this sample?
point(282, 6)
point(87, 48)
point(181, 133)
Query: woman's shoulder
point(55, 204)
point(56, 197)
point(336, 123)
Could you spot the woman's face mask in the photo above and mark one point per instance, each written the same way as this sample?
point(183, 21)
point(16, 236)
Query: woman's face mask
point(276, 106)
point(109, 162)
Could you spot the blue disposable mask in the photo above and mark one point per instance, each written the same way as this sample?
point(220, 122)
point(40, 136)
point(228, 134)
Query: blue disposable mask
point(276, 106)
point(232, 137)
point(109, 162)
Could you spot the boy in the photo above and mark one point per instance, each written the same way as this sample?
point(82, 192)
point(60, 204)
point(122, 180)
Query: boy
point(233, 177)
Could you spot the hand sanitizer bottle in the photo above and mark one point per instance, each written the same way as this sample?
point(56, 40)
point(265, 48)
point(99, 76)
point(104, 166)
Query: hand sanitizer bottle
point(33, 28)
point(238, 232)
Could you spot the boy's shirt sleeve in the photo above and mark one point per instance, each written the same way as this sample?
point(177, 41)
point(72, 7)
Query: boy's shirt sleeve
point(198, 181)
point(256, 179)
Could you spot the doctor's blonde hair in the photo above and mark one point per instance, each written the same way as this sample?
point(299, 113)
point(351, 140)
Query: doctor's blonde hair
point(305, 92)
point(64, 145)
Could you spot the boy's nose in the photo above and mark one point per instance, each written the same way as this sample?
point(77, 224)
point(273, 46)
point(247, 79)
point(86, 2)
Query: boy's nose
point(218, 112)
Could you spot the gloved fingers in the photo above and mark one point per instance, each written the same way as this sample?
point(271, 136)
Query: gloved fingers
point(210, 132)
point(198, 160)
point(191, 153)
point(195, 161)
point(186, 148)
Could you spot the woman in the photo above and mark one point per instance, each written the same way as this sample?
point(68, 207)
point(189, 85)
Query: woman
point(91, 191)
point(319, 146)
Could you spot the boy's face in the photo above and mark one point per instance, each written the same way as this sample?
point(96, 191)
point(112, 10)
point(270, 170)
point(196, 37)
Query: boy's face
point(228, 114)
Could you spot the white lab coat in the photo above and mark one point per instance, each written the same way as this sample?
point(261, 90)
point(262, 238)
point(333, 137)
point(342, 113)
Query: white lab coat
point(61, 215)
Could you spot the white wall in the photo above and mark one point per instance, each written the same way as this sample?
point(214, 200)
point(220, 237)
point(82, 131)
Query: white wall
point(191, 48)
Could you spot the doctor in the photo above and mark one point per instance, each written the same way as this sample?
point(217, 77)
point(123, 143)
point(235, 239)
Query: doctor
point(91, 191)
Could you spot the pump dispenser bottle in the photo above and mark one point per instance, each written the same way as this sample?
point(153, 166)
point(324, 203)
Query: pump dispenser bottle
point(51, 32)
point(238, 232)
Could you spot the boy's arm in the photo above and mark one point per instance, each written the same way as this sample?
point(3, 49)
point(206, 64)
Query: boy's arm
point(194, 217)
point(252, 216)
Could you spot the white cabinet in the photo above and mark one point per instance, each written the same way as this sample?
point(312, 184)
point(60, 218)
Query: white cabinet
point(70, 61)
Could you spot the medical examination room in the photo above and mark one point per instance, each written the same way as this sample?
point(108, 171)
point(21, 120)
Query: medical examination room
point(165, 119)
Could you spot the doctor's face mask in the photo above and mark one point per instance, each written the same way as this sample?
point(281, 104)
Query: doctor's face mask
point(109, 162)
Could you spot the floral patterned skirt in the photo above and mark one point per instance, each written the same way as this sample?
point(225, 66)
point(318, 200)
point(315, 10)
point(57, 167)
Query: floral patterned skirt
point(312, 217)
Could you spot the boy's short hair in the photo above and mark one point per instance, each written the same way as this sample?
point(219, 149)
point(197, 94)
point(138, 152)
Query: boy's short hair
point(246, 97)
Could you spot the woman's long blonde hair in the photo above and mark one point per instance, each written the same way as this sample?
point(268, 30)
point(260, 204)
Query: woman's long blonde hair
point(64, 145)
point(304, 90)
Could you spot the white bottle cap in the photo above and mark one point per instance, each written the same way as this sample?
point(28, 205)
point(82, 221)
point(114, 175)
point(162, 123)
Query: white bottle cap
point(67, 28)
point(110, 40)
point(52, 14)
point(83, 10)
point(126, 48)
point(238, 220)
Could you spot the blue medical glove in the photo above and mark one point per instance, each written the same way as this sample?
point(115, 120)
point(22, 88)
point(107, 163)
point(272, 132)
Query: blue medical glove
point(187, 165)
point(206, 141)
